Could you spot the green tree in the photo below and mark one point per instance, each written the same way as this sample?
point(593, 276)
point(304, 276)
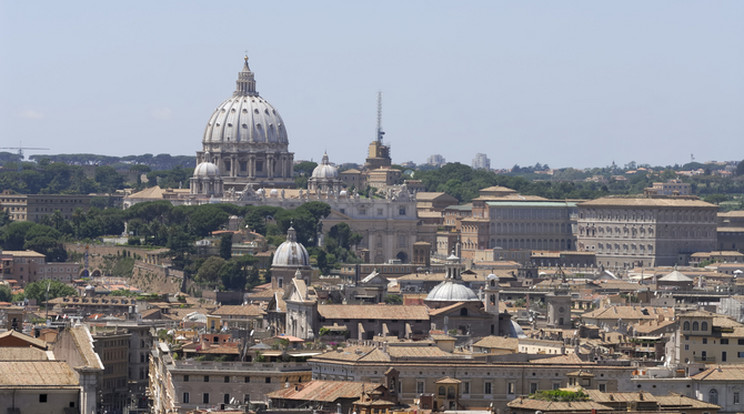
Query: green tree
point(4, 218)
point(6, 295)
point(226, 246)
point(13, 236)
point(305, 168)
point(108, 179)
point(740, 168)
point(209, 271)
point(47, 288)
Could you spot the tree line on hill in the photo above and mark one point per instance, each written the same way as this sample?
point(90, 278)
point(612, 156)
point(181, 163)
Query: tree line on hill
point(88, 173)
point(160, 224)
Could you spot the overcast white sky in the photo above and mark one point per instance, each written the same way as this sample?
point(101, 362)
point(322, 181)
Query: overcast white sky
point(567, 83)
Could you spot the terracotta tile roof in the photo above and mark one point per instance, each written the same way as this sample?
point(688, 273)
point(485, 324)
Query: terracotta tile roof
point(545, 406)
point(645, 327)
point(610, 397)
point(36, 373)
point(15, 336)
point(383, 312)
point(23, 354)
point(498, 342)
point(239, 310)
point(569, 359)
point(629, 312)
point(680, 401)
point(327, 391)
point(428, 196)
point(646, 202)
point(349, 353)
point(732, 372)
point(84, 342)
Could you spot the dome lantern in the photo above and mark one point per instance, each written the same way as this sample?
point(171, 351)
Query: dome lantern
point(246, 83)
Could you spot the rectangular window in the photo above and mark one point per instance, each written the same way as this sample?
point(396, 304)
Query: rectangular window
point(736, 398)
point(511, 388)
point(227, 378)
point(419, 387)
point(724, 341)
point(741, 341)
point(487, 388)
point(226, 398)
point(206, 378)
point(185, 399)
point(402, 211)
point(247, 379)
point(723, 356)
point(466, 387)
point(205, 398)
point(533, 387)
point(42, 398)
point(268, 380)
point(246, 398)
point(603, 387)
point(185, 378)
point(705, 340)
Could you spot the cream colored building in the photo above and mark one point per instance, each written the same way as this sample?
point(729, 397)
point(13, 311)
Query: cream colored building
point(708, 338)
point(484, 381)
point(628, 232)
point(34, 207)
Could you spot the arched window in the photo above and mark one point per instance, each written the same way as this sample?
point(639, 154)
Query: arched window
point(695, 326)
point(441, 390)
point(704, 326)
point(686, 326)
point(713, 396)
point(464, 312)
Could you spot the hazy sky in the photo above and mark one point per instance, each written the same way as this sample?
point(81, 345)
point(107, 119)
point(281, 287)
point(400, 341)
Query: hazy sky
point(567, 83)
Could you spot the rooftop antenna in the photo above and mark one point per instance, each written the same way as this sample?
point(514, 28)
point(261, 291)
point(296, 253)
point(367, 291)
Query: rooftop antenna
point(20, 149)
point(380, 132)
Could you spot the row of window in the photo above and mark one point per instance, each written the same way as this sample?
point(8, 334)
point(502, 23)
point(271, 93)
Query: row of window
point(695, 326)
point(226, 378)
point(205, 398)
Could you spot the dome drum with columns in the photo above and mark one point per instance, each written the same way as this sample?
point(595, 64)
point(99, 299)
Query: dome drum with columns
point(247, 140)
point(325, 178)
point(291, 260)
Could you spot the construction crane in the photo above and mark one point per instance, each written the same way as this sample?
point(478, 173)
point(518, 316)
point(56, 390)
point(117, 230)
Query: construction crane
point(20, 149)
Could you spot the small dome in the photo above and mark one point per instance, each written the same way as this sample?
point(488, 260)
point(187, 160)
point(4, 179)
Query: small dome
point(325, 169)
point(492, 277)
point(206, 169)
point(451, 291)
point(291, 253)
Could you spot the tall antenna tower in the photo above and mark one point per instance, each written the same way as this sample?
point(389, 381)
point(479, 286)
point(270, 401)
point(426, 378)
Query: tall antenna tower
point(380, 132)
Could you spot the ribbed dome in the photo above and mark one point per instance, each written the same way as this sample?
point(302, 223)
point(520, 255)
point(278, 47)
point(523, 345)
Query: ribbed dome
point(451, 291)
point(325, 169)
point(245, 117)
point(206, 169)
point(291, 253)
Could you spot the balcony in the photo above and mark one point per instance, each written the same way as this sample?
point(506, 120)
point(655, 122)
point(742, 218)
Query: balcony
point(705, 359)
